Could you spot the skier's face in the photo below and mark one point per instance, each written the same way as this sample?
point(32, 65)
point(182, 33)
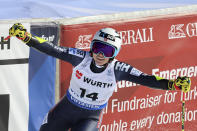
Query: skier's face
point(100, 59)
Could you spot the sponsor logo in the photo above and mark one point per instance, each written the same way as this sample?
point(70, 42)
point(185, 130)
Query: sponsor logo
point(49, 38)
point(93, 82)
point(76, 52)
point(78, 74)
point(97, 83)
point(182, 31)
point(4, 45)
point(122, 66)
point(176, 31)
point(85, 105)
point(127, 68)
point(135, 72)
point(143, 35)
point(83, 42)
point(107, 36)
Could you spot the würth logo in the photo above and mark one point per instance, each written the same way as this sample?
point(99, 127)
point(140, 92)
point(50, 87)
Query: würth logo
point(97, 83)
point(78, 74)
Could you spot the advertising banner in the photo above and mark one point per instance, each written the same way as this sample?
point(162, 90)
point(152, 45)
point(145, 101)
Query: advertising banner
point(42, 75)
point(163, 46)
point(27, 79)
point(14, 58)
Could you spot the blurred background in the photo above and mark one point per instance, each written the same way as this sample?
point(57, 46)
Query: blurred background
point(15, 9)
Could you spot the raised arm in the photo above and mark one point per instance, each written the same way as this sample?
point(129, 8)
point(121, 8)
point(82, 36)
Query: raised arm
point(71, 55)
point(126, 72)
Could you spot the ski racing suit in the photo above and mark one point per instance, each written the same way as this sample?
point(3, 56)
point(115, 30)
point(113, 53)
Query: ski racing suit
point(90, 88)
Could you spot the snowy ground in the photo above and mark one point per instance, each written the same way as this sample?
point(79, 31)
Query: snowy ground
point(16, 9)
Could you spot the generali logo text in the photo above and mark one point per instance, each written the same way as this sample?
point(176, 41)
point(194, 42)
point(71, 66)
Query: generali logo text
point(143, 35)
point(182, 30)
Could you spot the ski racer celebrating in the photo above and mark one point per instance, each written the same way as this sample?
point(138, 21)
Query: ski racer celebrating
point(94, 77)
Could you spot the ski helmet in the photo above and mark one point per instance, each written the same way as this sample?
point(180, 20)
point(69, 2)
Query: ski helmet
point(107, 36)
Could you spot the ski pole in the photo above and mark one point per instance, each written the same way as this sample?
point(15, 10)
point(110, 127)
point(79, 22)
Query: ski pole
point(183, 112)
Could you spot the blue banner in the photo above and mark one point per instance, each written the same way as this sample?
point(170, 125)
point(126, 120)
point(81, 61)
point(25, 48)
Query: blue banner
point(42, 70)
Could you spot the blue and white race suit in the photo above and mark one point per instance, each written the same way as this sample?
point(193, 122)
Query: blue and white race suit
point(90, 88)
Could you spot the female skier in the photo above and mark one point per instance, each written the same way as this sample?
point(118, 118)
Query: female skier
point(93, 80)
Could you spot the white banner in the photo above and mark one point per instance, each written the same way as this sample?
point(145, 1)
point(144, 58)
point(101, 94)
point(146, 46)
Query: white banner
point(14, 56)
point(13, 48)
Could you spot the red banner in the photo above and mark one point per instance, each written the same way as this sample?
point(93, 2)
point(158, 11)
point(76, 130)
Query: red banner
point(163, 46)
